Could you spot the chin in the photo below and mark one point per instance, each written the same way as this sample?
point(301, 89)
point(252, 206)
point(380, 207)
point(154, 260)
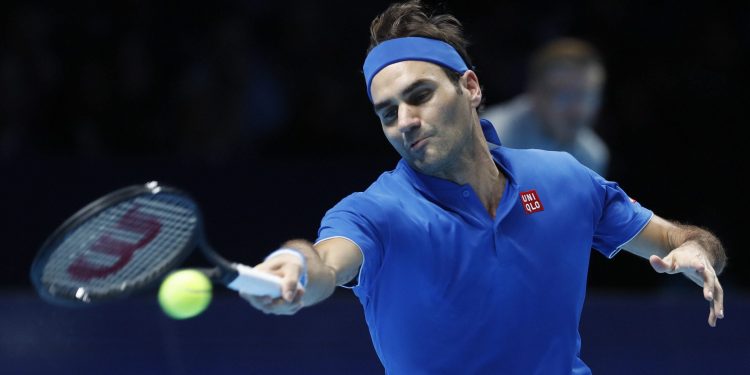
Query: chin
point(428, 166)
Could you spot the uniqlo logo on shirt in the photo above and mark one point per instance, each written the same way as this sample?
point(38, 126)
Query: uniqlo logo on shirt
point(530, 201)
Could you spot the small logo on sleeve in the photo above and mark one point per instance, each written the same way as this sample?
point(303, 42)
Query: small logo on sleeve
point(531, 202)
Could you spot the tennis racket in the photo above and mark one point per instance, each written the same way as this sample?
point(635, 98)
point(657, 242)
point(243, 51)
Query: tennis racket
point(128, 240)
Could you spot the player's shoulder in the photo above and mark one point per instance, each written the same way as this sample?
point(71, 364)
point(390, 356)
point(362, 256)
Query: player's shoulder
point(533, 165)
point(541, 159)
point(382, 193)
point(555, 172)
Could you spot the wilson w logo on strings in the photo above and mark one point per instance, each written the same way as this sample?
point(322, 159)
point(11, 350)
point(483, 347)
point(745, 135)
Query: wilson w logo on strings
point(147, 227)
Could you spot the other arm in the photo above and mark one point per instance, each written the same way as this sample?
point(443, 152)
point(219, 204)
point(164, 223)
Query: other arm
point(676, 248)
point(331, 262)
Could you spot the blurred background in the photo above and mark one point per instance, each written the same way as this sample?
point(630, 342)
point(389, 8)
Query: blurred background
point(258, 109)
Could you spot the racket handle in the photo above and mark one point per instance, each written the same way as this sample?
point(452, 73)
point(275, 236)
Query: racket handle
point(254, 282)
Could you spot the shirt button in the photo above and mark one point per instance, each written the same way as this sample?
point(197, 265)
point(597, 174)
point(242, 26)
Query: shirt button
point(465, 193)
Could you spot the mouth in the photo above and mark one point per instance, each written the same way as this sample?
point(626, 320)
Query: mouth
point(418, 143)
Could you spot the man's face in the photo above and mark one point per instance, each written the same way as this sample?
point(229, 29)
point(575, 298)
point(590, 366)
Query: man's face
point(568, 98)
point(424, 116)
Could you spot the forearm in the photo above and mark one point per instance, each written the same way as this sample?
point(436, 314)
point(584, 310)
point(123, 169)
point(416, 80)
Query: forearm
point(660, 237)
point(713, 249)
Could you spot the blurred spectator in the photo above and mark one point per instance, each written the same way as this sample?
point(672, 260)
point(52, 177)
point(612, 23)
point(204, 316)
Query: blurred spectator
point(560, 105)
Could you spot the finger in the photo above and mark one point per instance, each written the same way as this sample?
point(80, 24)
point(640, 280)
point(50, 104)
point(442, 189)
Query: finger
point(248, 297)
point(281, 301)
point(291, 309)
point(709, 284)
point(712, 315)
point(275, 306)
point(298, 297)
point(269, 305)
point(717, 305)
point(662, 265)
point(259, 303)
point(719, 300)
point(282, 307)
point(289, 282)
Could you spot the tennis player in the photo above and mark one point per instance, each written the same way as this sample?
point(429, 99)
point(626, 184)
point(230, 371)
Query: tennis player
point(469, 257)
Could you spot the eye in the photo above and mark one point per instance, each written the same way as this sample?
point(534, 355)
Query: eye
point(389, 115)
point(421, 96)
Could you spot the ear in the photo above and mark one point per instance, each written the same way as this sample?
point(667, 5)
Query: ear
point(471, 84)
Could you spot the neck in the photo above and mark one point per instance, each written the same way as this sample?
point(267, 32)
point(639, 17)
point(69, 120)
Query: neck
point(476, 168)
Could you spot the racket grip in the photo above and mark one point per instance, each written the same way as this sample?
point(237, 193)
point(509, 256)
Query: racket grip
point(254, 282)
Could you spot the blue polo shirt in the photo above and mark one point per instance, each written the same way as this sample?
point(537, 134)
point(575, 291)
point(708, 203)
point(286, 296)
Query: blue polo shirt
point(447, 289)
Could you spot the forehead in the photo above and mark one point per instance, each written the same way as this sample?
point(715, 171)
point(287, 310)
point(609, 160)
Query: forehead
point(394, 78)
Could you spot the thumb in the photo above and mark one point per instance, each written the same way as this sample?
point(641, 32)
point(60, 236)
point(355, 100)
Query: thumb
point(663, 265)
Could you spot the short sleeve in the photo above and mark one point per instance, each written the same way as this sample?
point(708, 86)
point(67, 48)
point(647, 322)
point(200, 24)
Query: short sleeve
point(621, 218)
point(354, 218)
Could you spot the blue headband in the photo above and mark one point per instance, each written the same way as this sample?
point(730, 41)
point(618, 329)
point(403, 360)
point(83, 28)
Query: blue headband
point(411, 48)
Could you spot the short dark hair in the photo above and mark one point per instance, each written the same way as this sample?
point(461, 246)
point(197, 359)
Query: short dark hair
point(562, 52)
point(412, 18)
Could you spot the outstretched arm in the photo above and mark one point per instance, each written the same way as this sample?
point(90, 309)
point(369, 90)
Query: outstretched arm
point(677, 248)
point(329, 263)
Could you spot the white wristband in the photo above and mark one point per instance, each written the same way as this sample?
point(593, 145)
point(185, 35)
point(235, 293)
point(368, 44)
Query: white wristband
point(297, 253)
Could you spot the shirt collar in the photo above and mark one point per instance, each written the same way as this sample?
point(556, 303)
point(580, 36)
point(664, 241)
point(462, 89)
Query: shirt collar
point(490, 134)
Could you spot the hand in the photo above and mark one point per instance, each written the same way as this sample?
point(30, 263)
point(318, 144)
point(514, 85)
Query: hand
point(289, 268)
point(690, 259)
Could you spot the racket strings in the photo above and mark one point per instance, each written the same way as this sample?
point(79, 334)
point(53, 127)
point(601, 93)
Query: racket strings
point(122, 246)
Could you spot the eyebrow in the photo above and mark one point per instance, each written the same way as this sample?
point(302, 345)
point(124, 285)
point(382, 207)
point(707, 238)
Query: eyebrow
point(406, 92)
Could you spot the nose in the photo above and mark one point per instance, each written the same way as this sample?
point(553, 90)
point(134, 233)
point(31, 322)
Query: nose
point(408, 118)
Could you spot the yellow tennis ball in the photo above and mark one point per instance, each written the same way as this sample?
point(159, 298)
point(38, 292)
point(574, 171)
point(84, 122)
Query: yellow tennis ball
point(184, 294)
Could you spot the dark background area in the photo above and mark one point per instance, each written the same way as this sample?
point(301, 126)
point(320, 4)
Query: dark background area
point(258, 109)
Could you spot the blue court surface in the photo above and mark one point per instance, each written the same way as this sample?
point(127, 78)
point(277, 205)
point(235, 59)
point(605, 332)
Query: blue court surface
point(655, 333)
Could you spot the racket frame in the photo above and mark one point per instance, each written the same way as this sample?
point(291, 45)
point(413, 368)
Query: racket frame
point(223, 272)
